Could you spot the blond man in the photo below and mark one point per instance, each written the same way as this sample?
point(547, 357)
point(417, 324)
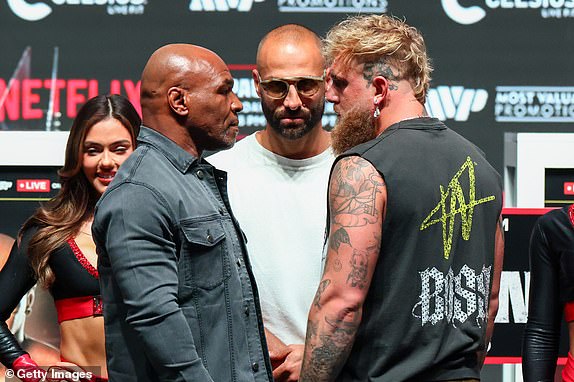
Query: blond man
point(409, 291)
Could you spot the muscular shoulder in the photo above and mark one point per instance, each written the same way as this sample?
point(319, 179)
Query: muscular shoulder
point(356, 188)
point(354, 170)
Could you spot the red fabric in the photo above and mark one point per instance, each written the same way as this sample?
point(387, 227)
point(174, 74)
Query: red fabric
point(569, 311)
point(568, 371)
point(28, 370)
point(78, 307)
point(82, 259)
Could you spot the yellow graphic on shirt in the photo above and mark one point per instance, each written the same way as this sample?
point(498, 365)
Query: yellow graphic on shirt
point(457, 204)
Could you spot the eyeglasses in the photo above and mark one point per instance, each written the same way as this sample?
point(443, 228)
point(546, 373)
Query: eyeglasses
point(278, 88)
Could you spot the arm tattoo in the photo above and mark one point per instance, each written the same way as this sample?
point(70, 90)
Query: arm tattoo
point(380, 68)
point(354, 192)
point(359, 265)
point(327, 357)
point(311, 331)
point(356, 215)
point(353, 196)
point(339, 237)
point(322, 286)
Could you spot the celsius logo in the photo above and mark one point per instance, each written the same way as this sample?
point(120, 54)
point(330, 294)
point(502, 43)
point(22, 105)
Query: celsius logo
point(222, 5)
point(38, 11)
point(462, 15)
point(473, 14)
point(455, 102)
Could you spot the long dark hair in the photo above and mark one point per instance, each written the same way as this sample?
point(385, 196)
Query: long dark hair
point(62, 216)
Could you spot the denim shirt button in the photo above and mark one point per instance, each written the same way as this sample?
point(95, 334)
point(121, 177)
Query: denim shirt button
point(209, 238)
point(247, 311)
point(239, 262)
point(255, 366)
point(199, 174)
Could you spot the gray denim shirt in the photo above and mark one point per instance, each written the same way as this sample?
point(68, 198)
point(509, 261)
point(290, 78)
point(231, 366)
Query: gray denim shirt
point(180, 300)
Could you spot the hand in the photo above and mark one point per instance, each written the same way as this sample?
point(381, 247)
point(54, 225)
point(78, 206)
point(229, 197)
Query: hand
point(289, 369)
point(27, 370)
point(277, 349)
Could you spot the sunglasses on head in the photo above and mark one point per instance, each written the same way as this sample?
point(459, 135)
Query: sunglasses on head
point(278, 88)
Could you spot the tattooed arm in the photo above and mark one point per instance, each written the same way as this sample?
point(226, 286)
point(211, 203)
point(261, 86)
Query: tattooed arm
point(357, 198)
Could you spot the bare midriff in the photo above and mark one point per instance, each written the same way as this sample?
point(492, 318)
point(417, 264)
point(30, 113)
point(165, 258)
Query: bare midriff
point(83, 343)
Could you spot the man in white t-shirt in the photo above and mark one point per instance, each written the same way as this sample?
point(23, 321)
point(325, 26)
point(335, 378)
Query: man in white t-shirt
point(277, 184)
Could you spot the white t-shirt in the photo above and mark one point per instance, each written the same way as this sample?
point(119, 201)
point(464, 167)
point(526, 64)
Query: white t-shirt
point(281, 205)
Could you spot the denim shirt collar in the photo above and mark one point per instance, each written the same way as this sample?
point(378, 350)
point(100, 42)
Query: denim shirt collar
point(181, 159)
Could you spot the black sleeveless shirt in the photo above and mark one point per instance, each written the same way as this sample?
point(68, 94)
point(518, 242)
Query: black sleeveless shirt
point(75, 277)
point(425, 315)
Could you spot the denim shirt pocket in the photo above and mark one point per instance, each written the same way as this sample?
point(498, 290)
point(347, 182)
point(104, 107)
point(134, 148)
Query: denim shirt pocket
point(204, 253)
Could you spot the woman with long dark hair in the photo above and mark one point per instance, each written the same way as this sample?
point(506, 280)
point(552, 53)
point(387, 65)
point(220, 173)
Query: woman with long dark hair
point(551, 296)
point(55, 246)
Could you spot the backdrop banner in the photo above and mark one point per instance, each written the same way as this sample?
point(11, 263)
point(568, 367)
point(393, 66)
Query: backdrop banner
point(500, 65)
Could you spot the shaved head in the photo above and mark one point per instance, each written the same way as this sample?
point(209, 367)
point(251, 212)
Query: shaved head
point(174, 65)
point(186, 95)
point(290, 39)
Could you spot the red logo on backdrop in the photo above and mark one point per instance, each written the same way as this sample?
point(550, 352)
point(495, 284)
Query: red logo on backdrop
point(568, 188)
point(33, 185)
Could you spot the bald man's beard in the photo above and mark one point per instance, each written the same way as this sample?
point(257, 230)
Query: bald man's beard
point(352, 129)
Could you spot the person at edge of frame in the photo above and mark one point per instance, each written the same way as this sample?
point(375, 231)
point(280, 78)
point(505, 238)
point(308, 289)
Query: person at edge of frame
point(551, 296)
point(55, 247)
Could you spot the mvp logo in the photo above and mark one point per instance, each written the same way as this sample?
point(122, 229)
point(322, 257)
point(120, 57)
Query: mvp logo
point(455, 102)
point(222, 5)
point(33, 185)
point(458, 203)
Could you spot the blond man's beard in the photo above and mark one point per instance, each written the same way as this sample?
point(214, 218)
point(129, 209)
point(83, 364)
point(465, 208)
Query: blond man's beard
point(352, 129)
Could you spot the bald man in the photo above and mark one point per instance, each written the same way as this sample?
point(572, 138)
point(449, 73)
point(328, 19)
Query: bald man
point(180, 301)
point(279, 176)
